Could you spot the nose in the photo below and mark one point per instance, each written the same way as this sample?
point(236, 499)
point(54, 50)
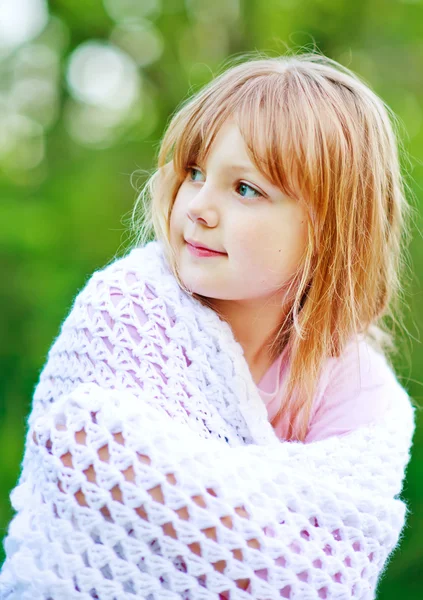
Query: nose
point(201, 207)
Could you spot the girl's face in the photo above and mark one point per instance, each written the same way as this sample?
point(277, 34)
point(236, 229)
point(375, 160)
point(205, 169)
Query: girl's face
point(229, 206)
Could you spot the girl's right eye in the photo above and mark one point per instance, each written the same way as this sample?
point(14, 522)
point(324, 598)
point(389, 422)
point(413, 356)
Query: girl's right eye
point(192, 171)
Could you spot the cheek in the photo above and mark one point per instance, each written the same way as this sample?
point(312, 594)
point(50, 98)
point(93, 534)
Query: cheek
point(180, 206)
point(277, 245)
point(175, 221)
point(301, 234)
point(254, 250)
point(172, 221)
point(294, 246)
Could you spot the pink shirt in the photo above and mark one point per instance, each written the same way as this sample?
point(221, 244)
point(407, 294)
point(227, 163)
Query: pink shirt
point(353, 390)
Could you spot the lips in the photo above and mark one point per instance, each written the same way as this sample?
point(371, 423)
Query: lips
point(202, 246)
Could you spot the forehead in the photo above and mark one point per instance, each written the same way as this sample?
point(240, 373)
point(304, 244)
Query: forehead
point(227, 143)
point(236, 142)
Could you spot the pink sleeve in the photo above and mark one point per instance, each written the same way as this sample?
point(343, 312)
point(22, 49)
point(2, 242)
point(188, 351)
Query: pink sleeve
point(358, 392)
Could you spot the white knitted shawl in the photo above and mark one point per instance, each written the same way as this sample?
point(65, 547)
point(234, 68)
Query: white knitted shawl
point(174, 404)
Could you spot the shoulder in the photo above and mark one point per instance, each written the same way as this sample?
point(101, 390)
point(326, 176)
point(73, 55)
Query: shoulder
point(357, 388)
point(139, 265)
point(100, 337)
point(136, 276)
point(360, 366)
point(126, 293)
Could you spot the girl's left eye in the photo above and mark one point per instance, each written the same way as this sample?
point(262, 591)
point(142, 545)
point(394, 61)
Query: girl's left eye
point(244, 186)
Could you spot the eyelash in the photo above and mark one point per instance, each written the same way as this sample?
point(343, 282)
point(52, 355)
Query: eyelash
point(259, 194)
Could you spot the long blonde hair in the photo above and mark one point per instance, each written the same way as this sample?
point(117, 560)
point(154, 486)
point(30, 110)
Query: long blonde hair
point(315, 130)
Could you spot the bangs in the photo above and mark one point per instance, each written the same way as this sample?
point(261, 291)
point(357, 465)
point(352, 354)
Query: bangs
point(260, 109)
point(269, 132)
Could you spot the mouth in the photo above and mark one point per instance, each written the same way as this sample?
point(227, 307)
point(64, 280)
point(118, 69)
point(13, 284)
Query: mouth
point(202, 251)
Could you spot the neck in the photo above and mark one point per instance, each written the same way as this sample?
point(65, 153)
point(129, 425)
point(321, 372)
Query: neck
point(254, 325)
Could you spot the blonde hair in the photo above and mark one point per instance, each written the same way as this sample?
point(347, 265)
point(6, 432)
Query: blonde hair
point(315, 130)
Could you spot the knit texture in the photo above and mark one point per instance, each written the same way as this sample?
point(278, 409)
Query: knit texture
point(146, 389)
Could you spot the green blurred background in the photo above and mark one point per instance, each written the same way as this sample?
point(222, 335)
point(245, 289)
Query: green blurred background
point(86, 89)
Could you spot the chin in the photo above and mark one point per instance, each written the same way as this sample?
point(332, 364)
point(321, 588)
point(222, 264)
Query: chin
point(201, 290)
point(199, 287)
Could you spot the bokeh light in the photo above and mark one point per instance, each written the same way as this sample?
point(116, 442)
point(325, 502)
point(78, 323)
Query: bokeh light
point(102, 75)
point(132, 10)
point(224, 11)
point(105, 85)
point(141, 40)
point(20, 21)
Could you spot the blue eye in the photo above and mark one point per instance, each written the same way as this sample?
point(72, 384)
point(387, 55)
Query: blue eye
point(192, 170)
point(244, 186)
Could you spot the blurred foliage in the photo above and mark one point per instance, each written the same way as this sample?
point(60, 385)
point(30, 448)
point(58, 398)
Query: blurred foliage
point(67, 154)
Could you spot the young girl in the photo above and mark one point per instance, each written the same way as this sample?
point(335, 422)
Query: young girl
point(218, 417)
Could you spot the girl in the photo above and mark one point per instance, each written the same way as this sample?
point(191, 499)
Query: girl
point(218, 417)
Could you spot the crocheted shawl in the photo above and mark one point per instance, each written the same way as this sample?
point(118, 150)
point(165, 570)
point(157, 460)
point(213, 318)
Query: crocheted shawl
point(151, 470)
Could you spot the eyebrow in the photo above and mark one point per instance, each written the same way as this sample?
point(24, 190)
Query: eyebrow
point(251, 169)
point(240, 167)
point(246, 168)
